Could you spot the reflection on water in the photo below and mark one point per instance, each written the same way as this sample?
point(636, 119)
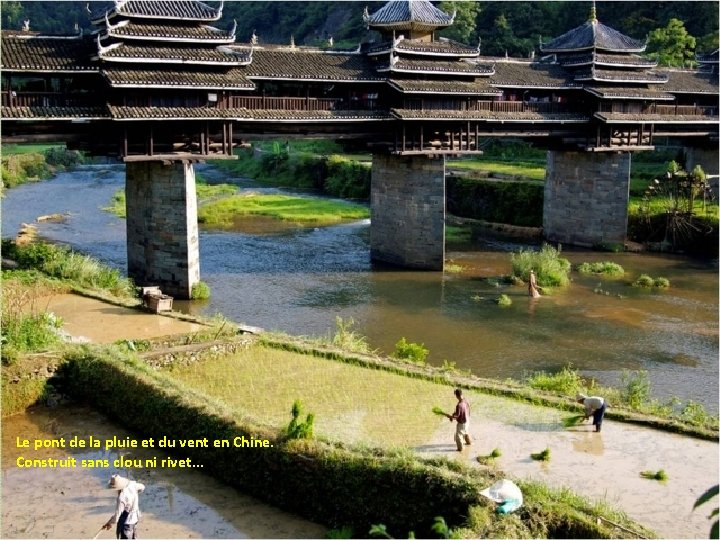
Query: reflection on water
point(300, 280)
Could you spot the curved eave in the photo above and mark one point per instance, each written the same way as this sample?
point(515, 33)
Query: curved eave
point(588, 48)
point(49, 70)
point(437, 72)
point(285, 77)
point(181, 86)
point(420, 27)
point(642, 97)
point(656, 119)
point(609, 64)
point(204, 41)
point(183, 61)
point(538, 86)
point(595, 78)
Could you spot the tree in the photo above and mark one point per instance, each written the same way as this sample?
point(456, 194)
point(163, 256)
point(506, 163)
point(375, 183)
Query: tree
point(672, 45)
point(463, 28)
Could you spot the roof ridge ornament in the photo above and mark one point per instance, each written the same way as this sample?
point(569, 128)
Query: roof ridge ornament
point(220, 9)
point(366, 17)
point(234, 29)
point(593, 13)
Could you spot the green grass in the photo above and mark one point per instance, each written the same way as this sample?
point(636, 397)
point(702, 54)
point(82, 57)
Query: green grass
point(40, 148)
point(303, 210)
point(660, 475)
point(351, 404)
point(541, 456)
point(525, 169)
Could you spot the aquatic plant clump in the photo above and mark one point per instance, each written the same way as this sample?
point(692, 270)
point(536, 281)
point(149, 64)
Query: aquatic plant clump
point(647, 282)
point(660, 475)
point(503, 300)
point(606, 268)
point(551, 270)
point(541, 456)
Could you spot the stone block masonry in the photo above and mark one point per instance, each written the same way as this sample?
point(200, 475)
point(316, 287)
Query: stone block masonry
point(407, 197)
point(586, 197)
point(162, 230)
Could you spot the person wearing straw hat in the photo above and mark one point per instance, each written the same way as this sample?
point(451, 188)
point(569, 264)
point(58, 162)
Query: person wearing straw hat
point(595, 406)
point(127, 509)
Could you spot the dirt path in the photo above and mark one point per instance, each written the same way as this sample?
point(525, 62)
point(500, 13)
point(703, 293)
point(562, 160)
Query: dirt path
point(604, 467)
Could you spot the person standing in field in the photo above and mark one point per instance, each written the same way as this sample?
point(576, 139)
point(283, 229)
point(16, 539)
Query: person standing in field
point(127, 508)
point(462, 417)
point(595, 406)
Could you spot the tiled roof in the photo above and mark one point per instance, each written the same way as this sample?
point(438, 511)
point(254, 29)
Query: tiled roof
point(429, 66)
point(202, 113)
point(526, 75)
point(175, 113)
point(53, 113)
point(657, 118)
point(161, 77)
point(605, 59)
point(401, 14)
point(174, 55)
point(693, 82)
point(170, 31)
point(302, 65)
point(437, 48)
point(42, 53)
point(162, 9)
point(710, 58)
point(593, 35)
point(481, 87)
point(308, 116)
point(524, 116)
point(607, 75)
point(629, 93)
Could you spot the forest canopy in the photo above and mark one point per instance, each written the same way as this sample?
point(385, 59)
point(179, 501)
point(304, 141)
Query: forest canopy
point(512, 28)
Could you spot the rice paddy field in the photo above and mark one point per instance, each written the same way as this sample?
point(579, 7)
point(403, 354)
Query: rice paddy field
point(351, 404)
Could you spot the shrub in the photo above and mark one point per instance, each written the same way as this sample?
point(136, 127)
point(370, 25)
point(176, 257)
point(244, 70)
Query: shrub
point(661, 283)
point(297, 429)
point(567, 381)
point(347, 339)
point(644, 281)
point(503, 300)
point(200, 291)
point(606, 267)
point(637, 388)
point(551, 269)
point(410, 351)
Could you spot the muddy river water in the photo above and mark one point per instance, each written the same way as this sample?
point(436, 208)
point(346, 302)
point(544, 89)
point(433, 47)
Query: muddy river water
point(299, 280)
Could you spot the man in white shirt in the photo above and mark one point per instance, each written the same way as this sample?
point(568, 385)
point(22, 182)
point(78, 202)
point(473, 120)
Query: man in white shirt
point(127, 509)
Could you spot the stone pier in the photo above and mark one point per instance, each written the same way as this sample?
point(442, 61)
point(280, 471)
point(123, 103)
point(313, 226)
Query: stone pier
point(162, 228)
point(407, 200)
point(586, 197)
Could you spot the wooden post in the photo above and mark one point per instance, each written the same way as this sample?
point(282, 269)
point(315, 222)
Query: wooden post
point(422, 143)
point(151, 141)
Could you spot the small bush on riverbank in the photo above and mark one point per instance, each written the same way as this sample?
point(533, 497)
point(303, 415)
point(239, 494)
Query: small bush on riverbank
point(567, 381)
point(415, 352)
point(551, 269)
point(200, 291)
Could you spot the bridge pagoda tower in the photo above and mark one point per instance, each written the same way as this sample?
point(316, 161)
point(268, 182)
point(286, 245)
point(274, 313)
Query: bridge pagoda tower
point(587, 192)
point(169, 73)
point(408, 182)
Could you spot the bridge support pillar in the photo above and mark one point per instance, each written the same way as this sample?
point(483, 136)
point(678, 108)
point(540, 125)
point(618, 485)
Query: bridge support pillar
point(162, 229)
point(407, 198)
point(586, 197)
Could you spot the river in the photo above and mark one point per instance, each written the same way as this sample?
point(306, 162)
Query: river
point(298, 280)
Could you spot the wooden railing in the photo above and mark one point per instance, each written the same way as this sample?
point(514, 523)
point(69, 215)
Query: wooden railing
point(663, 110)
point(284, 103)
point(44, 99)
point(490, 106)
